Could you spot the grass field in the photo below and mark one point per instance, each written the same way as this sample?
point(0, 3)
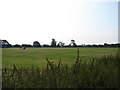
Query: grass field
point(37, 56)
point(97, 68)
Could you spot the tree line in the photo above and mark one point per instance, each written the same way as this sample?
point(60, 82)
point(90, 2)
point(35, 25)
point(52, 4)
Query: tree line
point(6, 44)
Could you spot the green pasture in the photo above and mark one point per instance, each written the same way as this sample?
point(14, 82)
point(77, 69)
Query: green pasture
point(37, 56)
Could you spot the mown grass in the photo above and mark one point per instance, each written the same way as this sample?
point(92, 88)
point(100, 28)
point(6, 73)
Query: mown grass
point(36, 56)
point(96, 73)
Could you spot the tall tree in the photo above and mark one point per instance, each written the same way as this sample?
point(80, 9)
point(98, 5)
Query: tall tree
point(53, 43)
point(5, 43)
point(60, 44)
point(36, 44)
point(73, 43)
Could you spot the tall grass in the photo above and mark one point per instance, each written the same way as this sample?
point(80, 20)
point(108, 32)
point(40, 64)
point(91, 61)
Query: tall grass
point(101, 73)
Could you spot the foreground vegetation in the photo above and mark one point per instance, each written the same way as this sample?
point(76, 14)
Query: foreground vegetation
point(100, 73)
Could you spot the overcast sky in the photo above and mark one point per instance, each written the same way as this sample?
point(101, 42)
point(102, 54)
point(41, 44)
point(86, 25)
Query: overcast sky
point(26, 21)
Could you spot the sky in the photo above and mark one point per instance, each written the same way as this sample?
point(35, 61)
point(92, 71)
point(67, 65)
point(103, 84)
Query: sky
point(26, 21)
